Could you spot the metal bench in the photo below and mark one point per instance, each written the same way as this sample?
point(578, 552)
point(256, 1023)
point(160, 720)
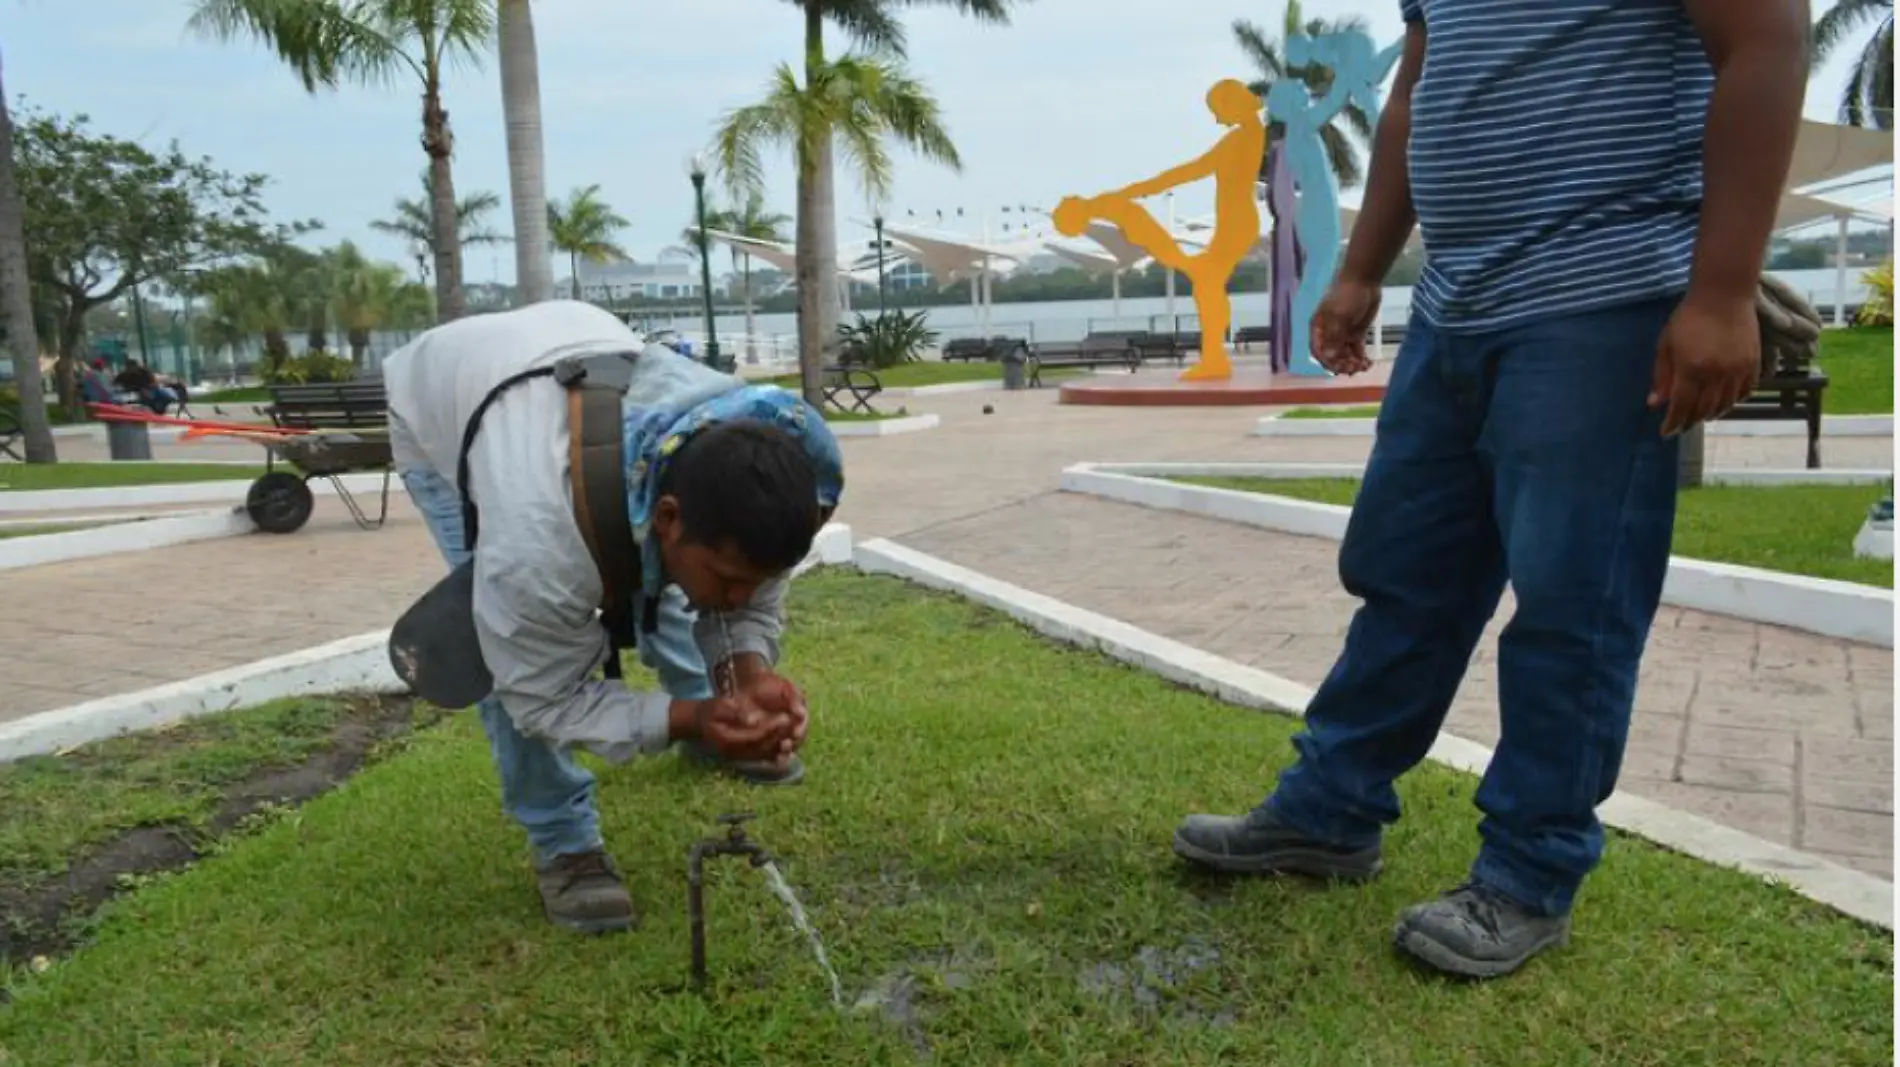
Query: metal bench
point(1790, 389)
point(859, 383)
point(10, 434)
point(1095, 350)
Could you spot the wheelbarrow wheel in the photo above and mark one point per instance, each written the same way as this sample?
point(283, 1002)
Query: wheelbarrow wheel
point(279, 502)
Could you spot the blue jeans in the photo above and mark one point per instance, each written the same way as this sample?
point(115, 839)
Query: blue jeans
point(1525, 454)
point(542, 786)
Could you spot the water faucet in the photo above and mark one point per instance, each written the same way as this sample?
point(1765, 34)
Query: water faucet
point(734, 843)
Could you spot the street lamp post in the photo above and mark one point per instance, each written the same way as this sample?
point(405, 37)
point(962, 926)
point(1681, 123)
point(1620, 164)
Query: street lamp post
point(877, 221)
point(697, 168)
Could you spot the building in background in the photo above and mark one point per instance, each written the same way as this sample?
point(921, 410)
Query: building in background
point(616, 282)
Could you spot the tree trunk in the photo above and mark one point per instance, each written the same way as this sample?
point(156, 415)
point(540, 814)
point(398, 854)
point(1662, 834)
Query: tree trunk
point(574, 274)
point(72, 332)
point(439, 143)
point(751, 330)
point(16, 305)
point(359, 349)
point(817, 251)
point(276, 351)
point(527, 162)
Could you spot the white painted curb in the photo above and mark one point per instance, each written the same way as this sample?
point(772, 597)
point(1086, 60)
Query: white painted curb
point(1862, 896)
point(353, 663)
point(132, 536)
point(945, 388)
point(1278, 425)
point(359, 663)
point(230, 491)
point(884, 427)
point(97, 431)
point(1821, 606)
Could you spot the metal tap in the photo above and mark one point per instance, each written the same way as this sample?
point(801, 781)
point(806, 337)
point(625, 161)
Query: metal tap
point(735, 843)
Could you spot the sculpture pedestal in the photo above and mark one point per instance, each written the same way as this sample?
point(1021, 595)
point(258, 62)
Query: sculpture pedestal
point(1253, 385)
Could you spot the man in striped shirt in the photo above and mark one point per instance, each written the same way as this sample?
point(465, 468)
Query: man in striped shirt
point(1596, 181)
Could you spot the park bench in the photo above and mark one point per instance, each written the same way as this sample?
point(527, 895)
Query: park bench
point(1790, 389)
point(854, 381)
point(10, 434)
point(1174, 346)
point(1252, 335)
point(329, 405)
point(988, 349)
point(1095, 350)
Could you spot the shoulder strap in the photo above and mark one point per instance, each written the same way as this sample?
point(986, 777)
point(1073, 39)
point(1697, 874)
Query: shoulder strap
point(597, 470)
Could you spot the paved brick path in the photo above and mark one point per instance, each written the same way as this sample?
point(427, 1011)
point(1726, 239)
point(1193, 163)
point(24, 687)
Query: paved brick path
point(1774, 732)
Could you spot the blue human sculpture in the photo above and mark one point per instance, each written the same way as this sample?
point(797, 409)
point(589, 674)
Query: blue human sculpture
point(1357, 72)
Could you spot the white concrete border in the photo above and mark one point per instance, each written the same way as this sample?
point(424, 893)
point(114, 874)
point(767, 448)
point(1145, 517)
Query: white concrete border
point(1862, 896)
point(356, 663)
point(97, 431)
point(884, 427)
point(1818, 605)
point(135, 535)
point(946, 388)
point(228, 491)
point(1278, 425)
point(1741, 476)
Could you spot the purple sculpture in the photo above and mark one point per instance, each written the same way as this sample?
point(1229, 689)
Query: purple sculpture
point(1284, 265)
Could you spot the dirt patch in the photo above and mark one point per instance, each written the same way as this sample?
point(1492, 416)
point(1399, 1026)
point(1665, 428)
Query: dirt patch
point(48, 918)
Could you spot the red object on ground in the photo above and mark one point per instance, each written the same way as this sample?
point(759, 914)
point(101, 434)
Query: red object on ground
point(129, 413)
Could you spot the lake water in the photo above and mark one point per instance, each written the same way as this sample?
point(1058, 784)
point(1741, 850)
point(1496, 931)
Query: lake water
point(1071, 320)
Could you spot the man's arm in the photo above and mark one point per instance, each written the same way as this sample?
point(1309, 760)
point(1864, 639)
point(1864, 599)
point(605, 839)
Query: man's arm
point(1386, 217)
point(1759, 49)
point(742, 644)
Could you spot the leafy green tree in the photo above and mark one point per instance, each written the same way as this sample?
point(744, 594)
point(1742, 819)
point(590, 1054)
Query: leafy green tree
point(367, 296)
point(1867, 98)
point(584, 227)
point(1269, 59)
point(414, 220)
point(372, 41)
point(753, 220)
point(104, 214)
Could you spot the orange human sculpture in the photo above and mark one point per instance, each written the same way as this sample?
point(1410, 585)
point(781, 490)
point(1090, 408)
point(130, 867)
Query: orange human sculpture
point(1234, 164)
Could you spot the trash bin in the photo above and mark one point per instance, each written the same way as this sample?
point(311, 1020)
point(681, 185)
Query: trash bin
point(129, 440)
point(1013, 361)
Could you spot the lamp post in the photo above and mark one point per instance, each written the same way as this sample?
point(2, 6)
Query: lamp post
point(877, 221)
point(696, 167)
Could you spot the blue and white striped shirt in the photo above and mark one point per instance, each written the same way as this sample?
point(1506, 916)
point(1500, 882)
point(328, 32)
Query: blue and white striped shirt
point(1556, 155)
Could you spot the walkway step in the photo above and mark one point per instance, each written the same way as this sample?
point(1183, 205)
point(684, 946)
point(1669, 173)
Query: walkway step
point(1778, 733)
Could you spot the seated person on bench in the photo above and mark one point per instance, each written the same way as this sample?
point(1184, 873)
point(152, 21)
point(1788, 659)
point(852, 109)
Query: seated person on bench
point(139, 380)
point(718, 489)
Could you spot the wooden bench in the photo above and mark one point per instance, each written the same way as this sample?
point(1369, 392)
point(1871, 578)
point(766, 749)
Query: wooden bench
point(1095, 350)
point(860, 383)
point(329, 405)
point(1790, 389)
point(964, 349)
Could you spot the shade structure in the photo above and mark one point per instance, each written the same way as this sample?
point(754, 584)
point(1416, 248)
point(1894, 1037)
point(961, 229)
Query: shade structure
point(1824, 151)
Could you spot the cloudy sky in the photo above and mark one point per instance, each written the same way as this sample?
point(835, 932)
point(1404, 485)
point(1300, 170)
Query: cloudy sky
point(1073, 97)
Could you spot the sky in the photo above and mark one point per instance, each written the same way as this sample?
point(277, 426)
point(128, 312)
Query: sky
point(1074, 96)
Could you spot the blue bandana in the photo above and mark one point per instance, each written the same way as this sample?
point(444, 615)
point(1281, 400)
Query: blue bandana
point(654, 435)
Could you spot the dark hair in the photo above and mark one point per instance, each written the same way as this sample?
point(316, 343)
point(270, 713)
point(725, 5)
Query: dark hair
point(748, 484)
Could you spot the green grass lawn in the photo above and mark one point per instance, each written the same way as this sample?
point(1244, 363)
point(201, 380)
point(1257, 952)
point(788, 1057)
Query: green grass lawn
point(1800, 529)
point(984, 828)
point(248, 394)
point(859, 416)
point(24, 476)
point(48, 528)
point(1353, 411)
point(1858, 363)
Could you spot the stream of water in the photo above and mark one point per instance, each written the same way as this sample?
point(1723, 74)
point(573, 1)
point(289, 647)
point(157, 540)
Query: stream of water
point(782, 890)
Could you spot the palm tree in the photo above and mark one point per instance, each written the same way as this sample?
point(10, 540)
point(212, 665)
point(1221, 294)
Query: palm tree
point(752, 220)
point(324, 41)
point(414, 220)
point(1269, 56)
point(527, 163)
point(863, 99)
point(368, 296)
point(584, 228)
point(16, 305)
point(1867, 98)
point(873, 25)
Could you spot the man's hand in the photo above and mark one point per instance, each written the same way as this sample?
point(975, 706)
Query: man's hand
point(1340, 324)
point(1708, 360)
point(732, 726)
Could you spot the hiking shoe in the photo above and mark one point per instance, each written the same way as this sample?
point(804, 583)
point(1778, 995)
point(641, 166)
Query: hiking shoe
point(758, 772)
point(582, 891)
point(1477, 932)
point(1259, 843)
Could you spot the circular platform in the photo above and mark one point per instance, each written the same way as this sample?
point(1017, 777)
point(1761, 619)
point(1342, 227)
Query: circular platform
point(1251, 386)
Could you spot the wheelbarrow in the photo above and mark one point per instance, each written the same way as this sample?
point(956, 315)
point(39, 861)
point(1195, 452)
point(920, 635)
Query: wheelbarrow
point(280, 501)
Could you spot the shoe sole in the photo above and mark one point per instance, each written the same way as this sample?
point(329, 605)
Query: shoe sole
point(1439, 956)
point(1312, 862)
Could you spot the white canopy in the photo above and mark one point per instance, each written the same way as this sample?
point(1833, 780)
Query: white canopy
point(1824, 151)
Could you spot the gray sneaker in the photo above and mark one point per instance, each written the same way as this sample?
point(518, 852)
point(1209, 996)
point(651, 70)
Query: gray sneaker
point(1259, 843)
point(582, 891)
point(1477, 932)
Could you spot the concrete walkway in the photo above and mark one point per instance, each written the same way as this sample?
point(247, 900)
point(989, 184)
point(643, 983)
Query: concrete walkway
point(1774, 732)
